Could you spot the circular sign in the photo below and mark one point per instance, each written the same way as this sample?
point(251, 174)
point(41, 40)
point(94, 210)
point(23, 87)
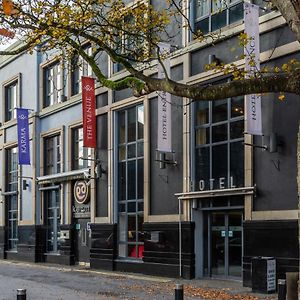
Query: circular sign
point(81, 191)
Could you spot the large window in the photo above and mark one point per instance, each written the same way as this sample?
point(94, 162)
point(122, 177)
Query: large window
point(11, 96)
point(219, 148)
point(53, 84)
point(211, 15)
point(52, 155)
point(11, 198)
point(79, 68)
point(131, 182)
point(81, 156)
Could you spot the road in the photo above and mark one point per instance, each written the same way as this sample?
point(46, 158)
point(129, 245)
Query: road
point(52, 282)
point(48, 282)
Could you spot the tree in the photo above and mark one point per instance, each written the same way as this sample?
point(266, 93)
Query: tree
point(130, 36)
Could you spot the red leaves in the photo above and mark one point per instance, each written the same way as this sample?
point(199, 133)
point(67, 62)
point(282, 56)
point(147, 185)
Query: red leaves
point(7, 33)
point(8, 7)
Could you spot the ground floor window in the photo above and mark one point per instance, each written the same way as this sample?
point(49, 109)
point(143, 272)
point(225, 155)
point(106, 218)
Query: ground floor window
point(11, 198)
point(130, 181)
point(12, 222)
point(52, 220)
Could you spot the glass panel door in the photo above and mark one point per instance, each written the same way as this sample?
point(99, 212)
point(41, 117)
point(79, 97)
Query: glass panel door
point(235, 244)
point(52, 219)
point(224, 251)
point(218, 232)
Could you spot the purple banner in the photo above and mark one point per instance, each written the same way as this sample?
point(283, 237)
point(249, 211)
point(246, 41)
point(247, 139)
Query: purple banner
point(23, 136)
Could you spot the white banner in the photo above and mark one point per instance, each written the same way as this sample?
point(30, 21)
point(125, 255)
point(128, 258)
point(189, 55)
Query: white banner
point(252, 66)
point(164, 133)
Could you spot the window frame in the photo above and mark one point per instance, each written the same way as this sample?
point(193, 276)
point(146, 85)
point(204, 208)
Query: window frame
point(58, 92)
point(13, 81)
point(55, 165)
point(87, 152)
point(11, 187)
point(210, 125)
point(82, 68)
point(211, 13)
point(117, 67)
point(137, 243)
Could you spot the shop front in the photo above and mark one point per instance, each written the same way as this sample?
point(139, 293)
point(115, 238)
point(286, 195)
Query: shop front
point(81, 214)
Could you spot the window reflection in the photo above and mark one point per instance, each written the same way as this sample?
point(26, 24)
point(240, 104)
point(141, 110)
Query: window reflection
point(219, 136)
point(131, 182)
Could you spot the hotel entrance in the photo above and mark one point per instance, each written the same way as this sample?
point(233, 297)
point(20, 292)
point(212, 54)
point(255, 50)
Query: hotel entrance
point(223, 242)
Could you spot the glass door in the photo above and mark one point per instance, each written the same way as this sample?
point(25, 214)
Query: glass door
point(52, 206)
point(225, 244)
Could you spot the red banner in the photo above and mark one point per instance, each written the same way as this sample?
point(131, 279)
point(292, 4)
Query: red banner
point(89, 112)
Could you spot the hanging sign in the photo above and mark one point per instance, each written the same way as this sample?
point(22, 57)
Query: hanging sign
point(252, 66)
point(23, 136)
point(81, 192)
point(164, 141)
point(88, 112)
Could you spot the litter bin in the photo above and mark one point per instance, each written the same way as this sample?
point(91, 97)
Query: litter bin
point(263, 274)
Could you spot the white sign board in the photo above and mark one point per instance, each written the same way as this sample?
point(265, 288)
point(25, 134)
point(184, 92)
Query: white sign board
point(271, 275)
point(164, 141)
point(252, 66)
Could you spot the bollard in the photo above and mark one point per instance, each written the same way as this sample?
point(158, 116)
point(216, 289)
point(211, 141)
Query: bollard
point(281, 289)
point(179, 292)
point(21, 294)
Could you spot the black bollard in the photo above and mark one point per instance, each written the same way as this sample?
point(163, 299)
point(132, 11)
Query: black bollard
point(179, 292)
point(21, 294)
point(281, 289)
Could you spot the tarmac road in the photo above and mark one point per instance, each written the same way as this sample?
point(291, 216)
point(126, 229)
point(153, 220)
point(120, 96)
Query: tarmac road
point(53, 282)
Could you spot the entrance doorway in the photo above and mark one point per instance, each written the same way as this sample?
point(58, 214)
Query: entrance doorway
point(82, 241)
point(223, 243)
point(52, 214)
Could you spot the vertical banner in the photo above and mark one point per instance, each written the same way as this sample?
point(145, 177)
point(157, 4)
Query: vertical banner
point(164, 133)
point(89, 112)
point(23, 136)
point(252, 66)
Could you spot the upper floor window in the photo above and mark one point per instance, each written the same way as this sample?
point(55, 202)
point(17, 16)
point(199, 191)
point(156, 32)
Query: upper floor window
point(11, 96)
point(219, 144)
point(81, 156)
point(52, 155)
point(53, 84)
point(211, 15)
point(79, 68)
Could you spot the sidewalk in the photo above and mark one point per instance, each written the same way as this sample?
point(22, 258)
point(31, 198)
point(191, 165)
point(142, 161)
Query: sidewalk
point(119, 285)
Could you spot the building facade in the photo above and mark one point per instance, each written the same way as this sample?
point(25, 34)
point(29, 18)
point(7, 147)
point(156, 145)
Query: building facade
point(221, 198)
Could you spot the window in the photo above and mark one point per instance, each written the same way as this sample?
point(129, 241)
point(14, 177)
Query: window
point(134, 45)
point(52, 217)
point(53, 84)
point(131, 182)
point(79, 68)
point(11, 100)
point(52, 155)
point(211, 15)
point(81, 156)
point(219, 148)
point(12, 199)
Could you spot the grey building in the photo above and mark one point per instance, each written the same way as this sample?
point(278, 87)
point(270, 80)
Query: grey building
point(237, 201)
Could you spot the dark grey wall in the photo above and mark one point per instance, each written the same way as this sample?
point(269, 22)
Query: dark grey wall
point(275, 173)
point(165, 182)
point(229, 50)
